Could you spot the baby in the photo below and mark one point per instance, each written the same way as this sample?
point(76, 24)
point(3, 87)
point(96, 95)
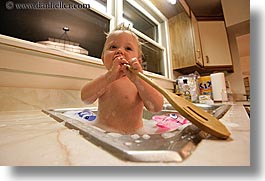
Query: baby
point(121, 94)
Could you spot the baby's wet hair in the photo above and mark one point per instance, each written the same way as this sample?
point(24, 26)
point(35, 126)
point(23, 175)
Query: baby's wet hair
point(122, 26)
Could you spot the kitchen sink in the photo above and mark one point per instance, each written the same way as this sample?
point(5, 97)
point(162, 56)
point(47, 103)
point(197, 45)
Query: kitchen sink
point(173, 145)
point(217, 110)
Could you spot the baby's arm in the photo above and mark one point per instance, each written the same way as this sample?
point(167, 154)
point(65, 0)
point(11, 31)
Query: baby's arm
point(152, 99)
point(97, 87)
point(94, 89)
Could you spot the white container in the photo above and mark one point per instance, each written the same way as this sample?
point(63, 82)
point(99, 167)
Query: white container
point(218, 86)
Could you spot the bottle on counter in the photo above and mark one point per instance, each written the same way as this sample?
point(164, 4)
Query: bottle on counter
point(186, 90)
point(177, 89)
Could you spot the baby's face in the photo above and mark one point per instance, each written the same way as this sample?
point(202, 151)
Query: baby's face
point(120, 44)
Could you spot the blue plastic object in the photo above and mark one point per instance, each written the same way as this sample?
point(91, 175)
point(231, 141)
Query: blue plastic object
point(87, 115)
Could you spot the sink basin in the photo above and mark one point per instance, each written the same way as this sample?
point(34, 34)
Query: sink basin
point(168, 146)
point(217, 110)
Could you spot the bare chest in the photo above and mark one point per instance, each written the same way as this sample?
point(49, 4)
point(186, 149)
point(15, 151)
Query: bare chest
point(121, 93)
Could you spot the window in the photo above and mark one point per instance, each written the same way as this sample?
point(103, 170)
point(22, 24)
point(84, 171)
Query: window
point(87, 26)
point(148, 26)
point(140, 21)
point(152, 58)
point(153, 55)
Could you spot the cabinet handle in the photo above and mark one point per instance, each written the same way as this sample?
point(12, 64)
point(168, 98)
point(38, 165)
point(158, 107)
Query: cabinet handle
point(207, 59)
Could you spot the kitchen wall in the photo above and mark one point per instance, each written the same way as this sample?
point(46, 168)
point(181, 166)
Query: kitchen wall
point(236, 78)
point(237, 19)
point(26, 99)
point(236, 11)
point(35, 77)
point(243, 43)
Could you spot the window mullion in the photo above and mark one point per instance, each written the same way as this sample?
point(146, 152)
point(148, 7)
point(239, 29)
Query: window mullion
point(118, 12)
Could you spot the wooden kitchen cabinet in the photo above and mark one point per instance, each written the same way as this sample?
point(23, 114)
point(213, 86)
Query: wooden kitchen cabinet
point(215, 45)
point(181, 41)
point(196, 39)
point(200, 46)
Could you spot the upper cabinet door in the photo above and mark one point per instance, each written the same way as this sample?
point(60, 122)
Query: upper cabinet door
point(182, 43)
point(197, 42)
point(214, 42)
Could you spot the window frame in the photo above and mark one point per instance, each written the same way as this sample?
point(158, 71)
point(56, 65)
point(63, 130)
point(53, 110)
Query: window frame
point(114, 12)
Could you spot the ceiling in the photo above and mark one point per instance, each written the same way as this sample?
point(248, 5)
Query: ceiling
point(202, 9)
point(206, 9)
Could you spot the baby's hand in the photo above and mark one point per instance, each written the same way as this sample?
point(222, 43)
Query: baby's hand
point(116, 70)
point(135, 64)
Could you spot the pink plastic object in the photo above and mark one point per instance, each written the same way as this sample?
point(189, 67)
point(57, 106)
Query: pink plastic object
point(170, 121)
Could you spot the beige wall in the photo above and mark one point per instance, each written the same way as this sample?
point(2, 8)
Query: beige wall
point(236, 78)
point(34, 77)
point(243, 43)
point(237, 19)
point(240, 51)
point(236, 11)
point(29, 65)
point(245, 66)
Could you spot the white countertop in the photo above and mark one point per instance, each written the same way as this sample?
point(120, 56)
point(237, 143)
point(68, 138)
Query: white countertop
point(33, 138)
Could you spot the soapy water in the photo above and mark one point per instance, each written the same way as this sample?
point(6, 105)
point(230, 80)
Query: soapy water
point(168, 135)
point(135, 136)
point(158, 124)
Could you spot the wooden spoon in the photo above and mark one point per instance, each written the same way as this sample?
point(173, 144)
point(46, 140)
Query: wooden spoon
point(196, 115)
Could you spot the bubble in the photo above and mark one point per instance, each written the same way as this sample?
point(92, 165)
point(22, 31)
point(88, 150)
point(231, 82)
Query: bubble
point(146, 136)
point(128, 143)
point(183, 136)
point(135, 136)
point(168, 135)
point(116, 135)
point(138, 141)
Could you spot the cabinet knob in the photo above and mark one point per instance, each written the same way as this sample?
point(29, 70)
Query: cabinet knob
point(207, 59)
